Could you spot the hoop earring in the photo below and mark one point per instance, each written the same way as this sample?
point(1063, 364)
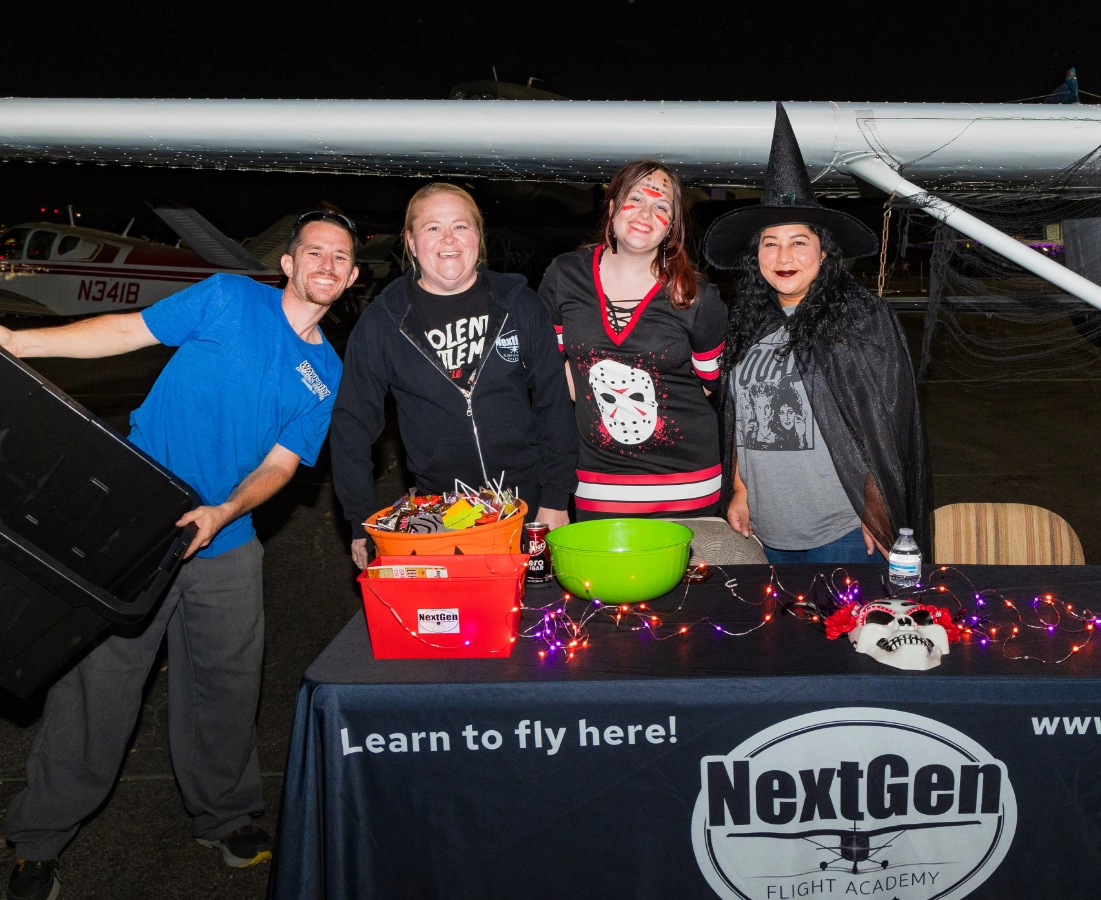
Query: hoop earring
point(612, 240)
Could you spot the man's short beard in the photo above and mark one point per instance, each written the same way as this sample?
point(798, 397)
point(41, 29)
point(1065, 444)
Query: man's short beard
point(308, 296)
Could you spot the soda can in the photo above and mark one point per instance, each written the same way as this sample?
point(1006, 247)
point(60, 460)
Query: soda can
point(534, 543)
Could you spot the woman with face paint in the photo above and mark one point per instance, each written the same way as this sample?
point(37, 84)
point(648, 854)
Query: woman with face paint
point(469, 356)
point(845, 464)
point(640, 334)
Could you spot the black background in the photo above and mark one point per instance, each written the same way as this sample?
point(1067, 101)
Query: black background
point(612, 49)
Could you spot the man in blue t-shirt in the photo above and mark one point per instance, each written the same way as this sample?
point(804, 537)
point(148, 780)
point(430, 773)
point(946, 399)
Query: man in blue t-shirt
point(245, 399)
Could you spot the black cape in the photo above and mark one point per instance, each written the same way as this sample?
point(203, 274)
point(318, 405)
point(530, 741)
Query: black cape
point(864, 396)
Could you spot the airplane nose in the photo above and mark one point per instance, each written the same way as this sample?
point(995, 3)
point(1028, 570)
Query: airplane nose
point(855, 847)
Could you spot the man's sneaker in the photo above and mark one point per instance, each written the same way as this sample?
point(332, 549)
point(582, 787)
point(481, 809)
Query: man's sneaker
point(33, 880)
point(244, 847)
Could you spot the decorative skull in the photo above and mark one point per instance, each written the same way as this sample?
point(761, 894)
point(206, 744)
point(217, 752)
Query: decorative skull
point(628, 404)
point(900, 633)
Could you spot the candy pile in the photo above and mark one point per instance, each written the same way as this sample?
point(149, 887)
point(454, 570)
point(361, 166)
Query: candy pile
point(462, 508)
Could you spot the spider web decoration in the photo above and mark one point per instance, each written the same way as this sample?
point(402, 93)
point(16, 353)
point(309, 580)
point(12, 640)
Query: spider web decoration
point(987, 319)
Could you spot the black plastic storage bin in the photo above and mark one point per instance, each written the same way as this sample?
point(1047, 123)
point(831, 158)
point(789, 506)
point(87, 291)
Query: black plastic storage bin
point(88, 531)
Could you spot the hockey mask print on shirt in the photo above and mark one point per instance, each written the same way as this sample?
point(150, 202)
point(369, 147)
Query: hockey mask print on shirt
point(628, 404)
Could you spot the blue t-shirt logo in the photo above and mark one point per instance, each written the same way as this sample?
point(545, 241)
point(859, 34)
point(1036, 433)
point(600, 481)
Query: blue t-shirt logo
point(310, 379)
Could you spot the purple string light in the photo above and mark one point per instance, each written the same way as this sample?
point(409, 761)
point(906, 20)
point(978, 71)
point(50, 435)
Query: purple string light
point(1006, 626)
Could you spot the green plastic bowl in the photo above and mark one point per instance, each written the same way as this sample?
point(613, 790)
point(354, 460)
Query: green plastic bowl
point(620, 560)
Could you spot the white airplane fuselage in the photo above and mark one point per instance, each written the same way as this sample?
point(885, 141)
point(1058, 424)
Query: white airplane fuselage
point(52, 269)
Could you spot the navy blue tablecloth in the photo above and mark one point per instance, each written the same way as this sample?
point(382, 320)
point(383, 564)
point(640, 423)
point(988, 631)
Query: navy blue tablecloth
point(776, 765)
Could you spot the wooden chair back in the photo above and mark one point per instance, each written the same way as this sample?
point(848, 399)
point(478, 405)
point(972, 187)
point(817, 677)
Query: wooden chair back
point(1012, 534)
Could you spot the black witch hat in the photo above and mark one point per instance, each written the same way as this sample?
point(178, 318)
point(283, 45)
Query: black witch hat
point(787, 199)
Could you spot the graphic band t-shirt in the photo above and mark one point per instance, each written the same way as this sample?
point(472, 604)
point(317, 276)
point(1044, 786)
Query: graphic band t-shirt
point(796, 501)
point(455, 325)
point(649, 435)
point(241, 382)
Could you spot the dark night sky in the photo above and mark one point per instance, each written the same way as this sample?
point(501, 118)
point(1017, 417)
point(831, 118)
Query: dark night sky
point(598, 49)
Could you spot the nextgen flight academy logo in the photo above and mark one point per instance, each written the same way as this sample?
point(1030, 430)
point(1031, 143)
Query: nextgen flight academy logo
point(853, 802)
point(438, 621)
point(508, 346)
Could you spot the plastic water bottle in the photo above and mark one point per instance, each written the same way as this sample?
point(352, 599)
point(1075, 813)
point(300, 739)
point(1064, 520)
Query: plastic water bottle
point(904, 560)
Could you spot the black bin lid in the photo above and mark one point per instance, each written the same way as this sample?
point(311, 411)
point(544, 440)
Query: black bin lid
point(77, 490)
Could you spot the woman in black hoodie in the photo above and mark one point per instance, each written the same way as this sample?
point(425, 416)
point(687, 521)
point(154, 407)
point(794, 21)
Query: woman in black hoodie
point(471, 358)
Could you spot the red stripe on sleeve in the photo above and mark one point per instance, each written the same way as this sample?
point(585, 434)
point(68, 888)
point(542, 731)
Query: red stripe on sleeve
point(710, 354)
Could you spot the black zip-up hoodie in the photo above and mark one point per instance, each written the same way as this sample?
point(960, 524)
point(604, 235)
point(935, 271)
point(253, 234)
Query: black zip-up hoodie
point(518, 409)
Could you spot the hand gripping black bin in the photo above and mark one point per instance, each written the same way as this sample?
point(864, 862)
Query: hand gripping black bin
point(87, 528)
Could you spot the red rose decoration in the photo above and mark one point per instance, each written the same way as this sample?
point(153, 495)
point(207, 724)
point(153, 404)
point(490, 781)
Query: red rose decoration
point(842, 622)
point(943, 618)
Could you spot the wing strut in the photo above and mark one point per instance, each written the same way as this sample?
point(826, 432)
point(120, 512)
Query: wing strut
point(876, 172)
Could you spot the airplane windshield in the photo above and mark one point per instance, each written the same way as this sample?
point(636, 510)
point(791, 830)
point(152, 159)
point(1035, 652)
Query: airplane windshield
point(38, 247)
point(11, 243)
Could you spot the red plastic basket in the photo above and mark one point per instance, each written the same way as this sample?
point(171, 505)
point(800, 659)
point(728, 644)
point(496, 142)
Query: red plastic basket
point(471, 611)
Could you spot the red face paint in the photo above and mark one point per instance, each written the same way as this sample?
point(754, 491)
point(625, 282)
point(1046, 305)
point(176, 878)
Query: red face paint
point(664, 222)
point(626, 206)
point(650, 192)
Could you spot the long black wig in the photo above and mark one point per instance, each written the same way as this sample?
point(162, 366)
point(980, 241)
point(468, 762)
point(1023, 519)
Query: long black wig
point(834, 301)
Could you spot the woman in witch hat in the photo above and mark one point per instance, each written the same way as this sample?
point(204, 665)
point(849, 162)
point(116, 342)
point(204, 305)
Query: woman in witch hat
point(640, 333)
point(861, 470)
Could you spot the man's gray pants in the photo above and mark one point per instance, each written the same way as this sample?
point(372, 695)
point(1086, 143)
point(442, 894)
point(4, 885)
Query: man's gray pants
point(214, 617)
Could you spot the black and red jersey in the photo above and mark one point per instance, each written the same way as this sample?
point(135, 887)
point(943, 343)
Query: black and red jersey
point(649, 436)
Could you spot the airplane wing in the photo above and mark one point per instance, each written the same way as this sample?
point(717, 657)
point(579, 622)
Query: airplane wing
point(16, 304)
point(947, 145)
point(206, 240)
point(904, 149)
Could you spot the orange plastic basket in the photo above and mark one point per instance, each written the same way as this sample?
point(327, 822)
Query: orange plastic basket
point(494, 538)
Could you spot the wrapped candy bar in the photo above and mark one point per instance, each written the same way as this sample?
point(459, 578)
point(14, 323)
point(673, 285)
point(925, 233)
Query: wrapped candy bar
point(414, 513)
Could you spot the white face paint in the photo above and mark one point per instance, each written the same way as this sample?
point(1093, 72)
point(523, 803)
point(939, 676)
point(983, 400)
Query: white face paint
point(628, 404)
point(896, 633)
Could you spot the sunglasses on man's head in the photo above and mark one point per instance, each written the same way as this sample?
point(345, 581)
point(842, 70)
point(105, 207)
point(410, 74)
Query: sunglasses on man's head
point(323, 215)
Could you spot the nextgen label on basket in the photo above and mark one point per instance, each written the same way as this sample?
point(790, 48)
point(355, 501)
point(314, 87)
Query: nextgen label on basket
point(438, 621)
point(853, 802)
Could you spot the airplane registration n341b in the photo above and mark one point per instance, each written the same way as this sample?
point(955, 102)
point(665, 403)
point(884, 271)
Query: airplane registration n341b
point(50, 269)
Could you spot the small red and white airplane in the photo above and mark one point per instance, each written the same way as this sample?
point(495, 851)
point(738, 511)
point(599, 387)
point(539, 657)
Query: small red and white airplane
point(51, 269)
